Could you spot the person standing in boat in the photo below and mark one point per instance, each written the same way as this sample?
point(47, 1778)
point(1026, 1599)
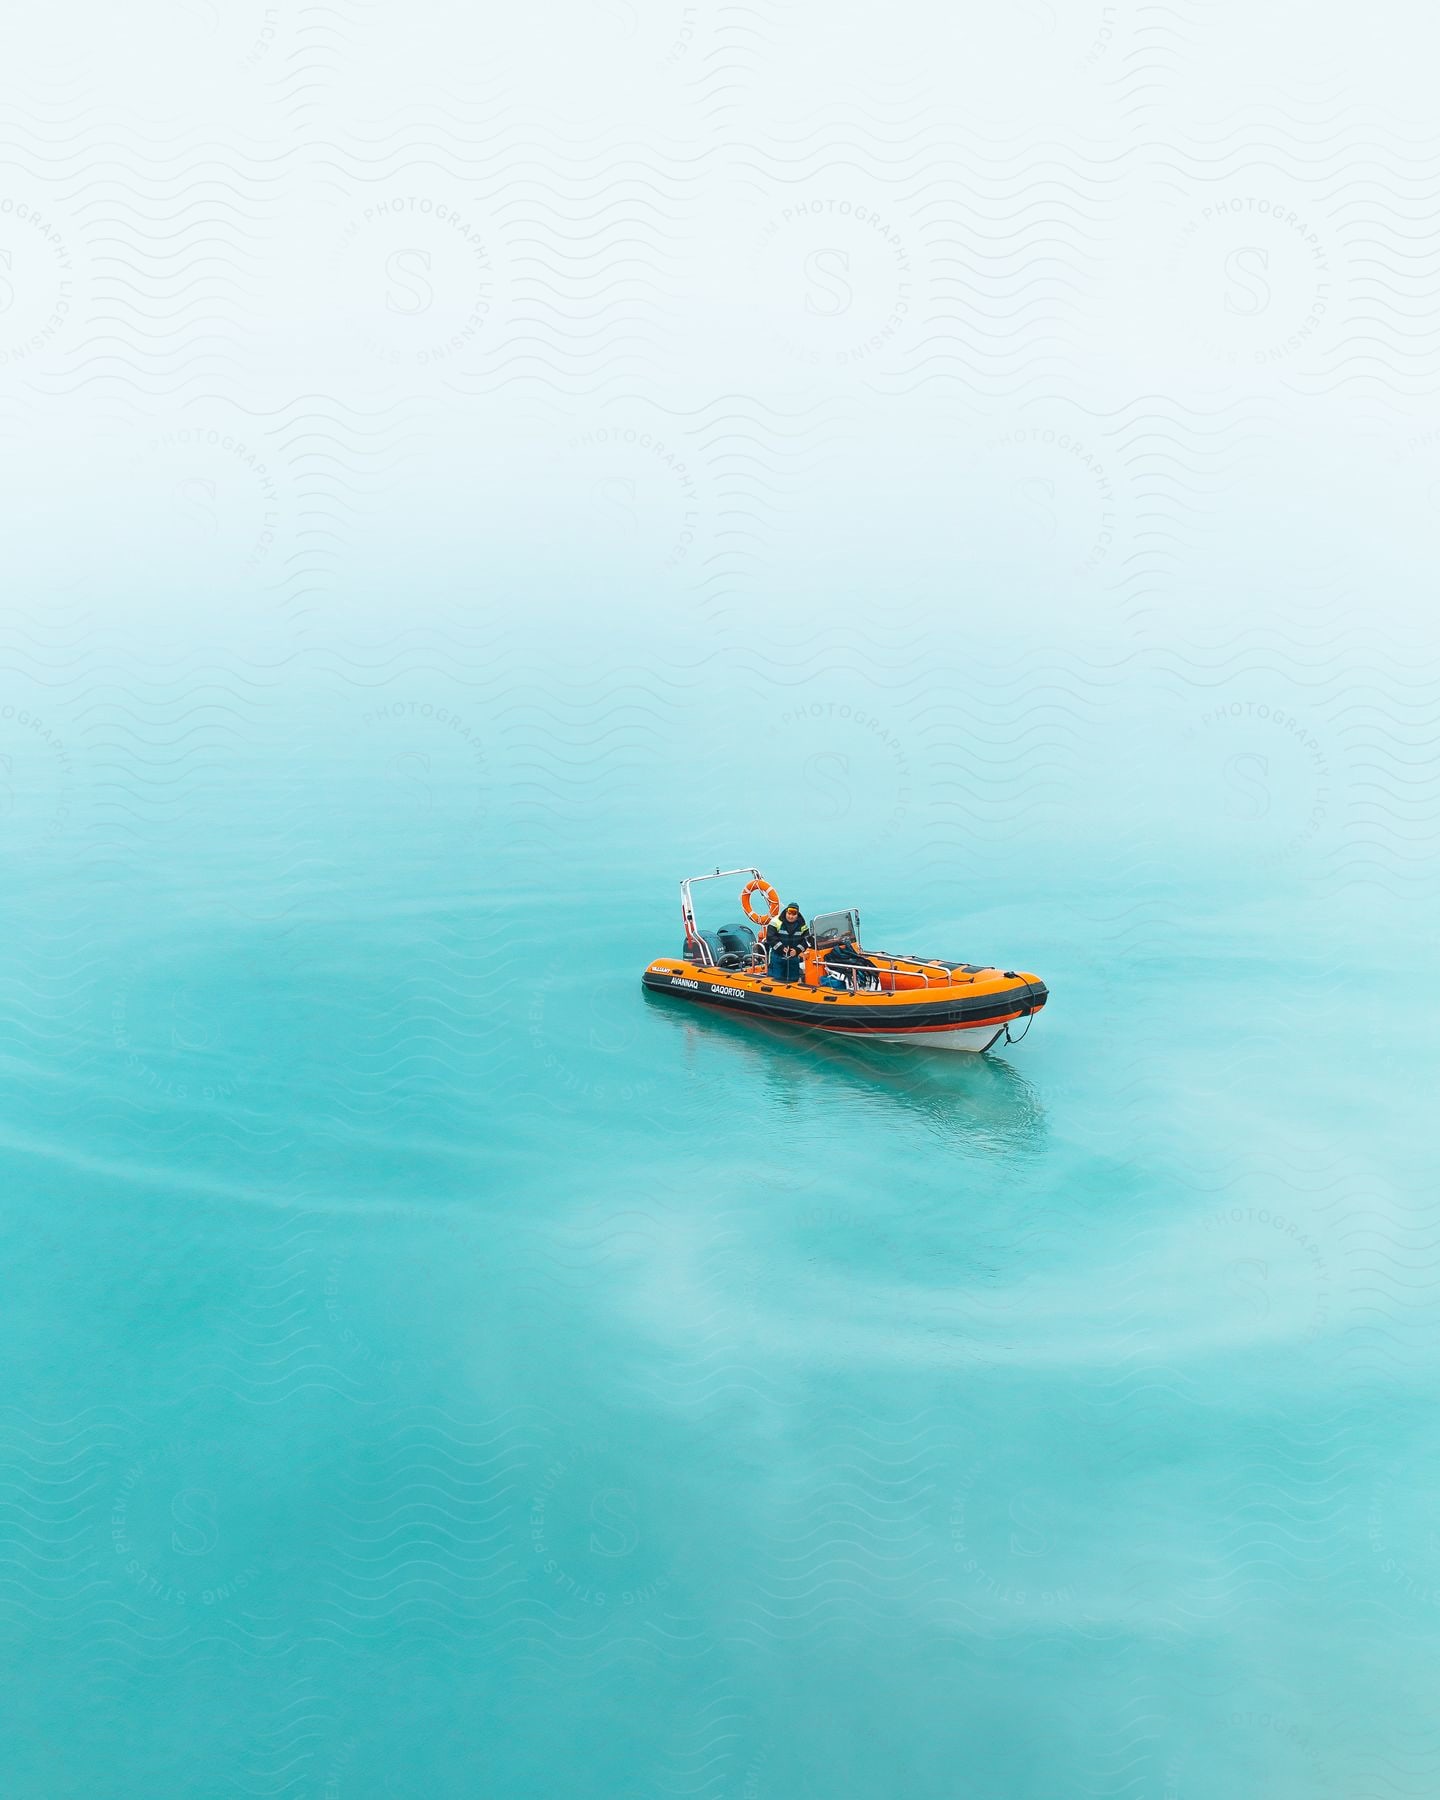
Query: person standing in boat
point(785, 939)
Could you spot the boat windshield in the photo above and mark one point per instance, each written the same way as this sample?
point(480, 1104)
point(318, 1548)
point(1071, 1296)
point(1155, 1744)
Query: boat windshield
point(835, 928)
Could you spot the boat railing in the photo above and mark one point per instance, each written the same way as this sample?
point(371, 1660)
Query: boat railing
point(916, 965)
point(930, 973)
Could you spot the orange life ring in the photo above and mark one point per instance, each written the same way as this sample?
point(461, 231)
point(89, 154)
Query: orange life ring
point(759, 886)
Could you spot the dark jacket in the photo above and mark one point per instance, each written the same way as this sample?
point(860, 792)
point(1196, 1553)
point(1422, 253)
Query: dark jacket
point(790, 937)
point(850, 955)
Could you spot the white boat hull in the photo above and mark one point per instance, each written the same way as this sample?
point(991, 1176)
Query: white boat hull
point(974, 1038)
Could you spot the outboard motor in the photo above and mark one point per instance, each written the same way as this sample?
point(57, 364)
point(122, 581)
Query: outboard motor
point(730, 947)
point(736, 945)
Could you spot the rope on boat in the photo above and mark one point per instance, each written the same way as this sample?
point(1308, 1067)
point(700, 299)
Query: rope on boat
point(1029, 1021)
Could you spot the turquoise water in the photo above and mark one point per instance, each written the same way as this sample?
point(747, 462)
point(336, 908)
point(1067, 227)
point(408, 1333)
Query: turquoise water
point(436, 1368)
point(466, 468)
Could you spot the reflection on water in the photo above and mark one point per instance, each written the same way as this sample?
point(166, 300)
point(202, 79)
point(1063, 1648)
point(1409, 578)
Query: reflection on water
point(981, 1103)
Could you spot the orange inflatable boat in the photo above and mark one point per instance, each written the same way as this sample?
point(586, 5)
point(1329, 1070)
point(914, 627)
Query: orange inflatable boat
point(836, 986)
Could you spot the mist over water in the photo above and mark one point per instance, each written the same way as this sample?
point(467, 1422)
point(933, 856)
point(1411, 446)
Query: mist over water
point(467, 473)
point(414, 1316)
